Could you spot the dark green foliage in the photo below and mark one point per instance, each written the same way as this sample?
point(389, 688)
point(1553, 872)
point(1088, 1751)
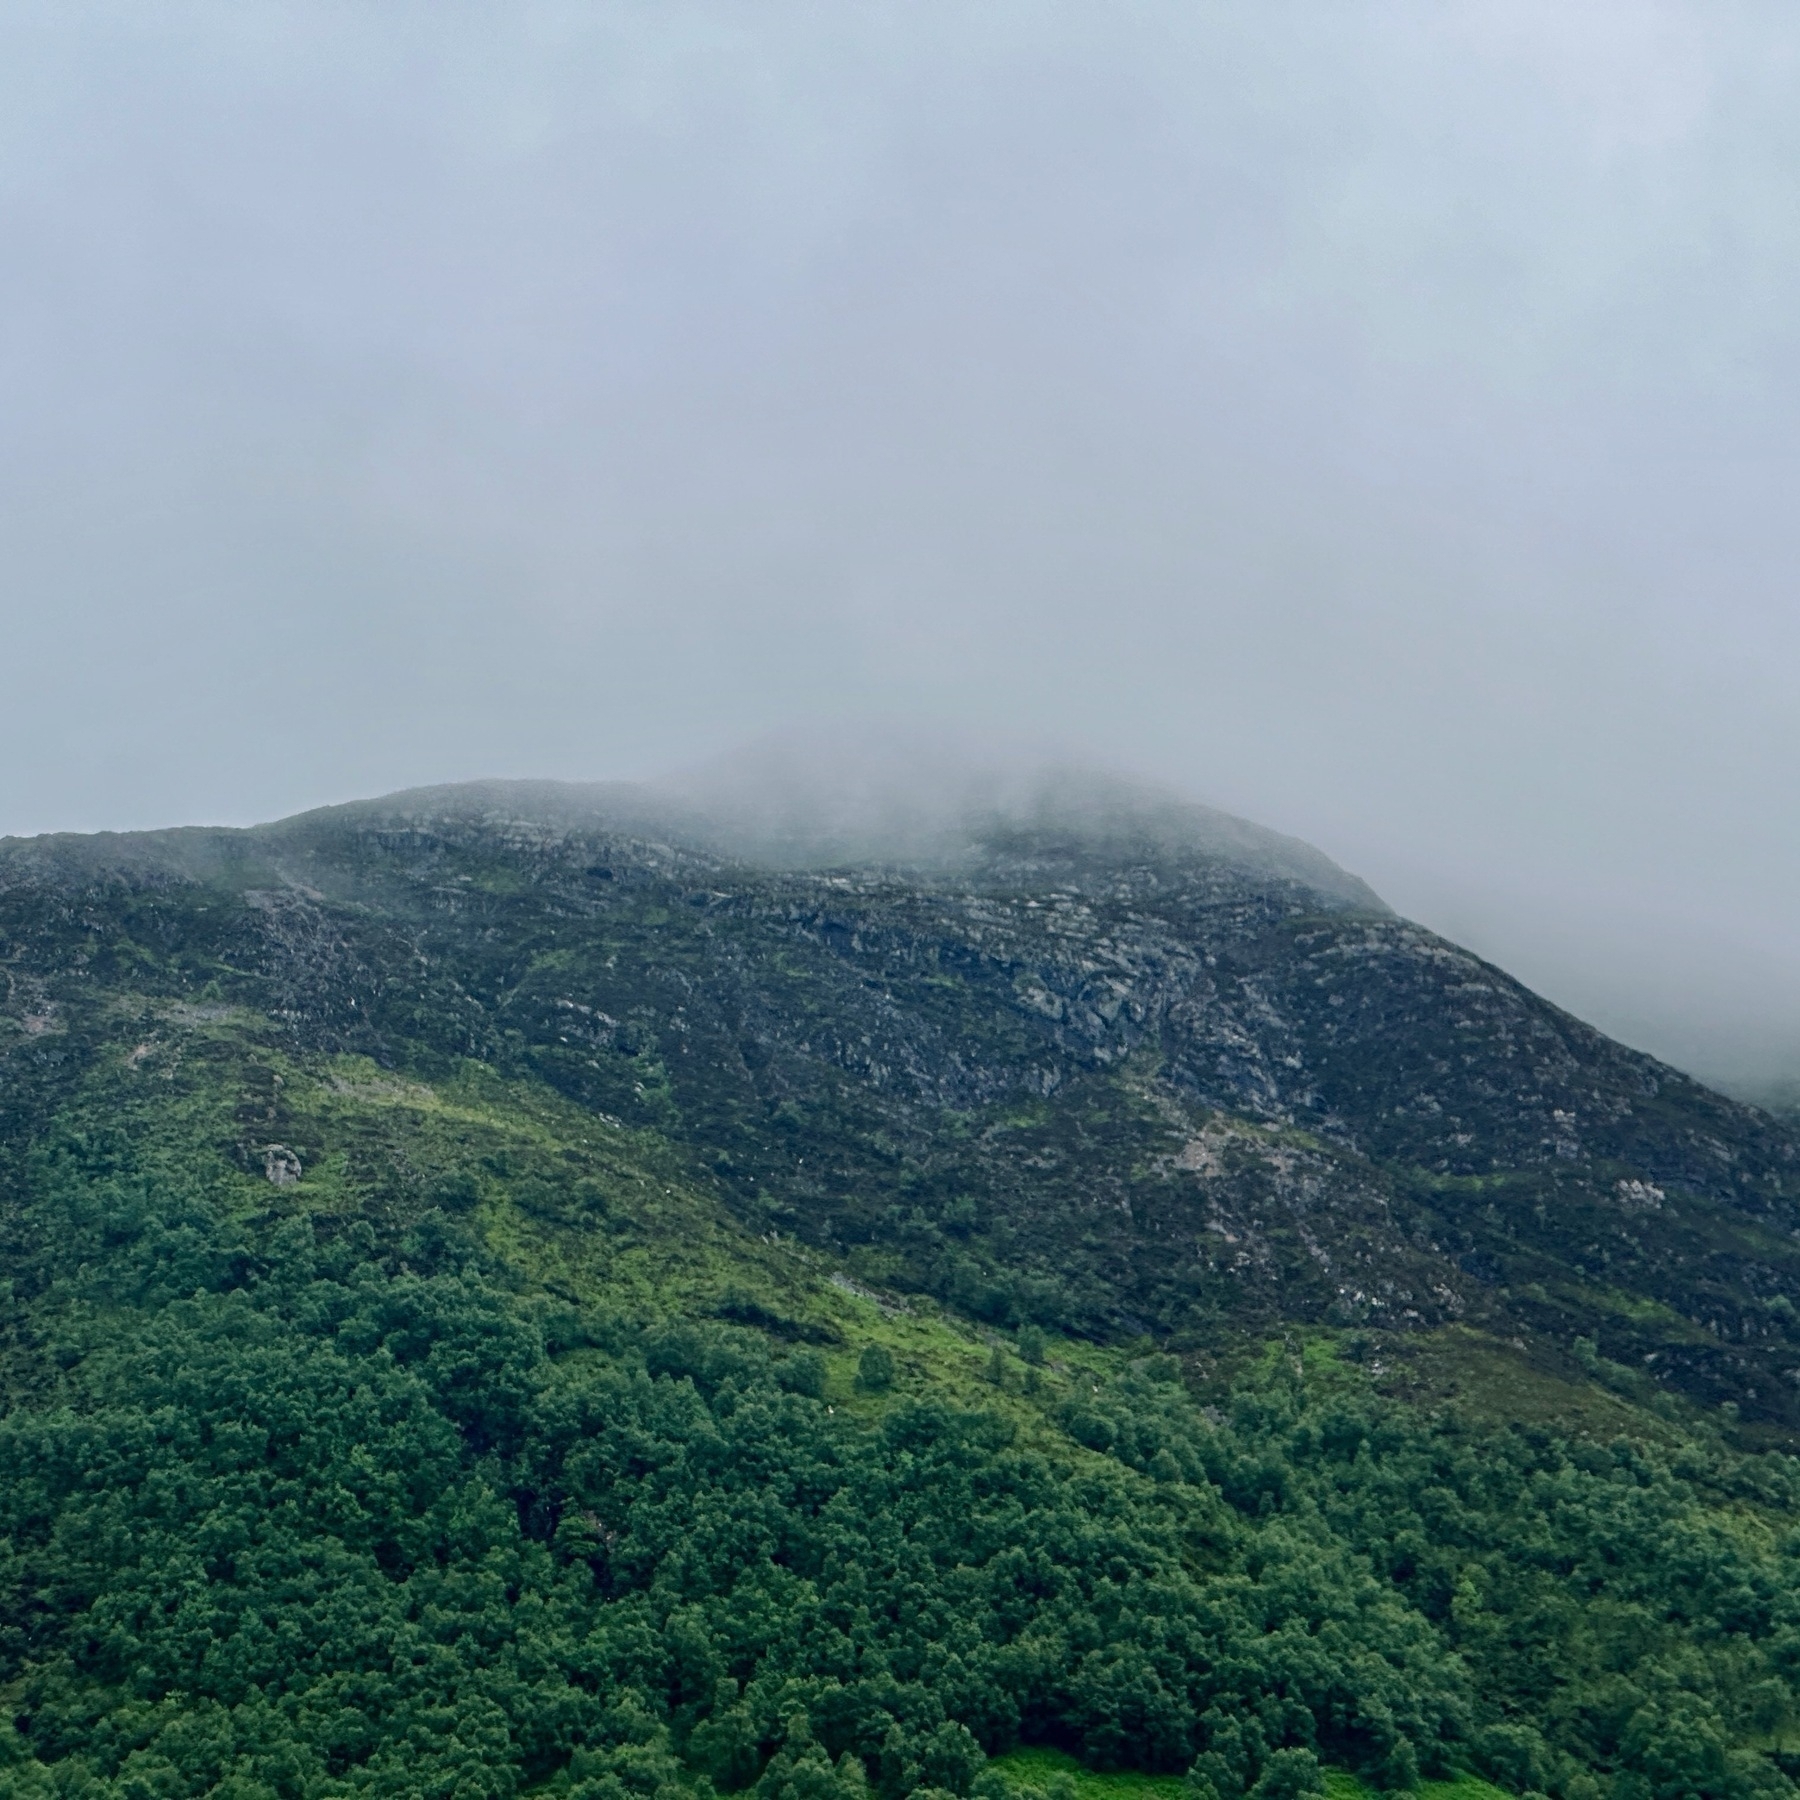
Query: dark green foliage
point(1289, 1775)
point(297, 1515)
point(291, 1512)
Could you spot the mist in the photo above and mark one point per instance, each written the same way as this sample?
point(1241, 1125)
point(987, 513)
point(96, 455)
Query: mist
point(1376, 420)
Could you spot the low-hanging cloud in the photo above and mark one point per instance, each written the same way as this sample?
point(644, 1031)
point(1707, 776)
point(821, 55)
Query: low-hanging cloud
point(1377, 419)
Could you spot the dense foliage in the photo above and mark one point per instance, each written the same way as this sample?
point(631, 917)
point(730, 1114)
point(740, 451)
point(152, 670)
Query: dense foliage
point(302, 1502)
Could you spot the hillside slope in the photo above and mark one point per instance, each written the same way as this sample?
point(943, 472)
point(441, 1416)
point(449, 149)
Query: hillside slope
point(506, 1296)
point(1110, 1083)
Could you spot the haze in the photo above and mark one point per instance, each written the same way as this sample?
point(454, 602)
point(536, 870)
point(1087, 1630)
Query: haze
point(1375, 419)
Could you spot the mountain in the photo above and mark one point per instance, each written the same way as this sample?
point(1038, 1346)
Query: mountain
point(1098, 1060)
point(495, 1267)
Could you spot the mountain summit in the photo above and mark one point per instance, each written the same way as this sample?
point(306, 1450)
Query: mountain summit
point(798, 803)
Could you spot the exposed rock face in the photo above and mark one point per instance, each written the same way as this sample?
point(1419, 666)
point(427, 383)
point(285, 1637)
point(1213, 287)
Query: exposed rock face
point(281, 1165)
point(1103, 1060)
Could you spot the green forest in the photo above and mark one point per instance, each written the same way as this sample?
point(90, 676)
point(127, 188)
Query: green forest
point(486, 1454)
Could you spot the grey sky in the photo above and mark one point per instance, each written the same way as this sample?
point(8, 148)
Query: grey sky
point(1378, 419)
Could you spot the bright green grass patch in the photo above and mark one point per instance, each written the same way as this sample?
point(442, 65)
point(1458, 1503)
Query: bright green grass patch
point(1034, 1768)
point(1340, 1786)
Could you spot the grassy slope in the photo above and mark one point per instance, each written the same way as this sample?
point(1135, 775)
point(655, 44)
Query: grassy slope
point(588, 1211)
point(1030, 1773)
point(575, 1207)
point(584, 1209)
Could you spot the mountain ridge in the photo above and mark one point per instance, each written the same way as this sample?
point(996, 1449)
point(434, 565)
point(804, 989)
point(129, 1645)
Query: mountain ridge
point(1446, 1146)
point(758, 817)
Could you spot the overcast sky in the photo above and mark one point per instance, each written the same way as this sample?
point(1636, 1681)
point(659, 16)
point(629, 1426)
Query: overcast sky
point(1379, 419)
